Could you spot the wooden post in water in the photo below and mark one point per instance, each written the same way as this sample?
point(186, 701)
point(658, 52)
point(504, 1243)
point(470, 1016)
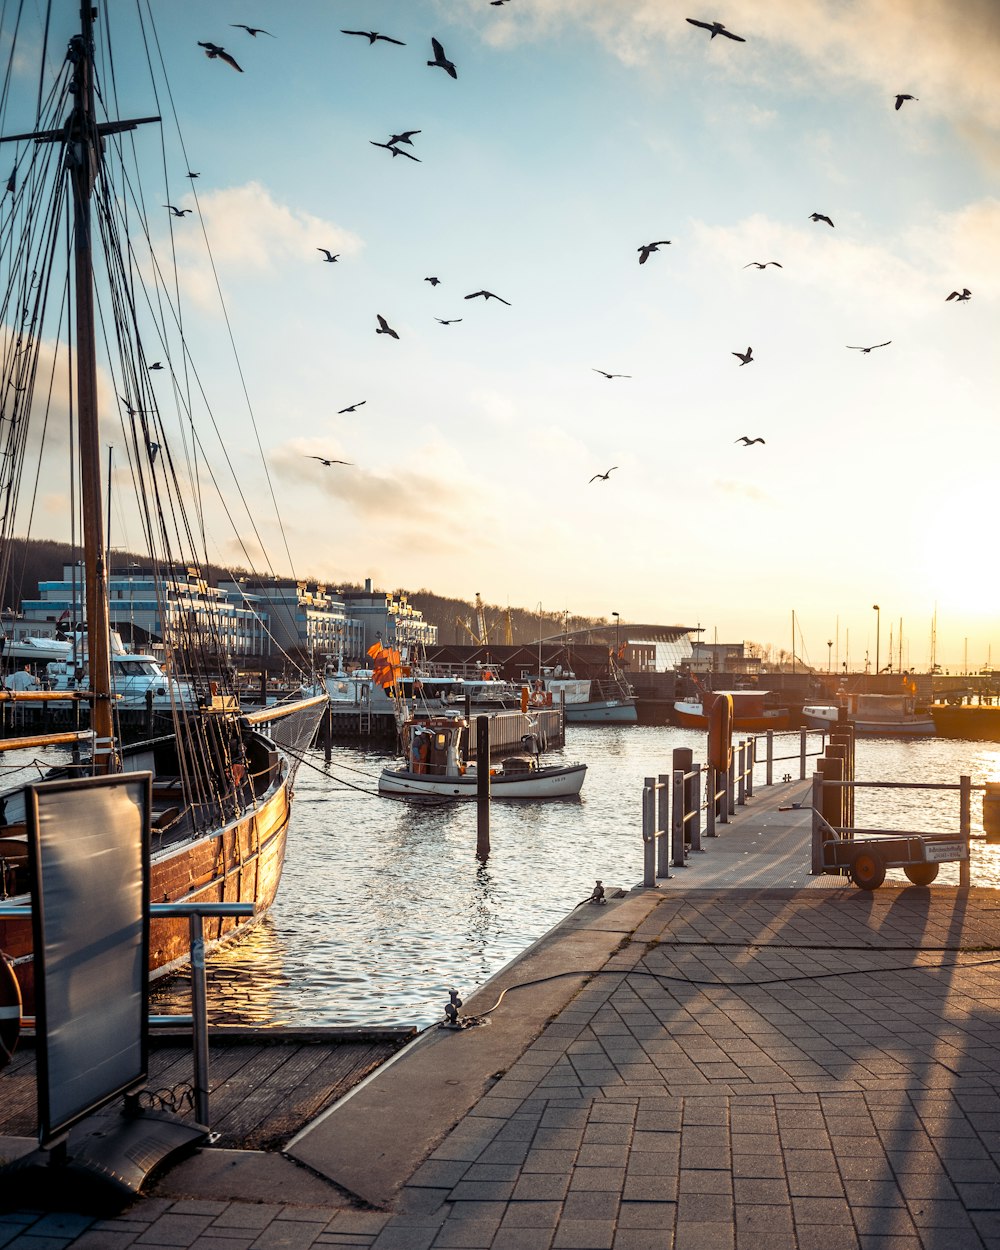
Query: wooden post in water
point(482, 787)
point(327, 733)
point(833, 796)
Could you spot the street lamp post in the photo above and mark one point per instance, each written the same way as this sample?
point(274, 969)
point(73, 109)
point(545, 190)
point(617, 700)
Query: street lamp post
point(878, 625)
point(829, 653)
point(617, 622)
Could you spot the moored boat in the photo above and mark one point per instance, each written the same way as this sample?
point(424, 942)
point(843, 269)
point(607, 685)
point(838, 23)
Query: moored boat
point(221, 785)
point(435, 764)
point(750, 712)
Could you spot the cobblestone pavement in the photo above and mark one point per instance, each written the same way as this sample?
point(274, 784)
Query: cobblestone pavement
point(807, 1070)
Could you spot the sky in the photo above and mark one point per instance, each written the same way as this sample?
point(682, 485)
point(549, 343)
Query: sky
point(575, 132)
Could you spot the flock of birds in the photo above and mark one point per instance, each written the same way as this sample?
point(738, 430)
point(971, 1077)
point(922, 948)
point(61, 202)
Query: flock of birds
point(399, 143)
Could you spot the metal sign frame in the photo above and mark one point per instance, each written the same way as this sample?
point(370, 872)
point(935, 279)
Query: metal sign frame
point(88, 843)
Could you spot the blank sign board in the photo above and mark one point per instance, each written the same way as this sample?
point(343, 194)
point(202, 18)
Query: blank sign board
point(89, 846)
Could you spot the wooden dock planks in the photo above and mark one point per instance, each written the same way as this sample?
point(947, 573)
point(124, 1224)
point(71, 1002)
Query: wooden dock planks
point(264, 1086)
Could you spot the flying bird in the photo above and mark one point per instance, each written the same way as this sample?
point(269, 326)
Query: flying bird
point(646, 248)
point(745, 358)
point(747, 441)
point(405, 136)
point(384, 327)
point(820, 217)
point(394, 150)
point(451, 322)
point(132, 412)
point(191, 174)
point(351, 407)
point(964, 294)
point(612, 375)
point(372, 36)
point(432, 281)
point(178, 212)
point(716, 28)
point(866, 350)
point(323, 460)
point(603, 476)
point(212, 50)
point(488, 295)
point(440, 60)
point(763, 264)
point(156, 365)
point(328, 256)
point(251, 30)
point(497, 2)
point(153, 449)
point(901, 98)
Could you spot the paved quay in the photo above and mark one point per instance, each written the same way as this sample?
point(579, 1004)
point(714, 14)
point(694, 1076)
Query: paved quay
point(744, 1057)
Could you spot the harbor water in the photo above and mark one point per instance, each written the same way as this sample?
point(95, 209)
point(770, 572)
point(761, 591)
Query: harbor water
point(384, 907)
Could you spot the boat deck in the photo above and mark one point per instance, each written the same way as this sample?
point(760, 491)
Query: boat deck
point(264, 1085)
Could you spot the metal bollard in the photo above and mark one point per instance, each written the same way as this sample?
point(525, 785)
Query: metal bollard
point(692, 806)
point(770, 757)
point(663, 825)
point(965, 821)
point(648, 833)
point(751, 760)
point(741, 773)
point(711, 785)
point(677, 823)
point(731, 782)
point(802, 754)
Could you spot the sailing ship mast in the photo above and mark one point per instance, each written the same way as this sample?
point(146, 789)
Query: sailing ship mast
point(82, 137)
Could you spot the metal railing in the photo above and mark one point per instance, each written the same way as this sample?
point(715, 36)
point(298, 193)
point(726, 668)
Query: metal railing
point(672, 805)
point(197, 1021)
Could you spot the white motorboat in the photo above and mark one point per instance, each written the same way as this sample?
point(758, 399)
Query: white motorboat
point(435, 764)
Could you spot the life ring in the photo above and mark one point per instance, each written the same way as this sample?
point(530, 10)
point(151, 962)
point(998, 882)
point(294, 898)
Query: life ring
point(720, 733)
point(10, 1012)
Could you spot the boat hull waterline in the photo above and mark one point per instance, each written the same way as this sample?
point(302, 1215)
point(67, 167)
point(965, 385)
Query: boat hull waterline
point(555, 782)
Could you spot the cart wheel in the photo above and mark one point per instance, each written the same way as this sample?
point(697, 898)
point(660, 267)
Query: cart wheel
point(921, 874)
point(867, 870)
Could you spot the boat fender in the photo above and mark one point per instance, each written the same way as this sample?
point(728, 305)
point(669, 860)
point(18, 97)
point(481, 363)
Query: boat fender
point(525, 696)
point(720, 733)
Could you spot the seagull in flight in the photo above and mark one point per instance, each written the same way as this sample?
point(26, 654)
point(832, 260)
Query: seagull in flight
point(488, 295)
point(153, 366)
point(716, 28)
point(603, 476)
point(451, 322)
point(747, 441)
point(866, 350)
point(432, 281)
point(328, 256)
point(405, 136)
point(384, 327)
point(820, 217)
point(440, 60)
point(745, 358)
point(212, 50)
point(132, 412)
point(901, 98)
point(178, 212)
point(372, 36)
point(192, 174)
point(323, 460)
point(394, 150)
point(351, 407)
point(153, 449)
point(763, 264)
point(612, 375)
point(646, 248)
point(251, 30)
point(964, 294)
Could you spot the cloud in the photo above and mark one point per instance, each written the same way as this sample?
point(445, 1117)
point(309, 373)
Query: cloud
point(248, 228)
point(945, 52)
point(741, 490)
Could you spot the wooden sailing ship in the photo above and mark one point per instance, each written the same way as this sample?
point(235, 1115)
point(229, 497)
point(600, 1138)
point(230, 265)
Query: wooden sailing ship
point(222, 786)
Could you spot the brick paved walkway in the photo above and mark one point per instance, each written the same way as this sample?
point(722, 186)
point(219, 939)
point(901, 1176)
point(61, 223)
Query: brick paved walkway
point(769, 1070)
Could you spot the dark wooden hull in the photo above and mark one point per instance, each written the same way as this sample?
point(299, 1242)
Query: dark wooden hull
point(238, 862)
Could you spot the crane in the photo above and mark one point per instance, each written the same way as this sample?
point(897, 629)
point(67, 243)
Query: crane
point(484, 638)
point(462, 624)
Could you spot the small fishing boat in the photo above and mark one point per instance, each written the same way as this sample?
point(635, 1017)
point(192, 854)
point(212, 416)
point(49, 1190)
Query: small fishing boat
point(588, 701)
point(872, 715)
point(750, 712)
point(436, 764)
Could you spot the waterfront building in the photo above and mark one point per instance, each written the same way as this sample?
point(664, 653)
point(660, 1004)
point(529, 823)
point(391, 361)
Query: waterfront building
point(305, 617)
point(389, 618)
